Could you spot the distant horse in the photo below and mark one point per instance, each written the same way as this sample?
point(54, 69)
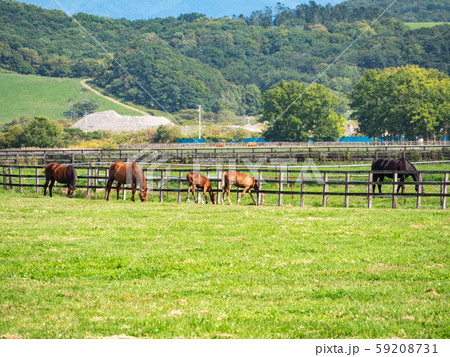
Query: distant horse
point(230, 178)
point(218, 145)
point(62, 174)
point(127, 174)
point(195, 180)
point(397, 165)
point(251, 143)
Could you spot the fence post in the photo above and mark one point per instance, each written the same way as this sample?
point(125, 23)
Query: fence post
point(180, 185)
point(73, 158)
point(161, 186)
point(124, 192)
point(5, 187)
point(302, 191)
point(369, 190)
point(280, 189)
point(45, 158)
point(37, 180)
point(347, 177)
point(89, 172)
point(10, 172)
point(419, 197)
point(444, 192)
point(219, 186)
point(258, 195)
point(325, 190)
point(394, 191)
point(20, 180)
point(96, 179)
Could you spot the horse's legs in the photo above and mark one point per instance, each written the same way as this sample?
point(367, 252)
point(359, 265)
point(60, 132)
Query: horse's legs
point(204, 198)
point(52, 183)
point(194, 191)
point(108, 188)
point(250, 193)
point(45, 186)
point(228, 193)
point(118, 189)
point(189, 191)
point(133, 190)
point(379, 185)
point(401, 185)
point(242, 194)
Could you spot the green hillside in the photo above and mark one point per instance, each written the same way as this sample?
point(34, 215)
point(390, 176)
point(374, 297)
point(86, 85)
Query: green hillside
point(419, 25)
point(28, 96)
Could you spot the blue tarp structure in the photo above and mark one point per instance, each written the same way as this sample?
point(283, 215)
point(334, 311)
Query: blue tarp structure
point(191, 141)
point(258, 140)
point(355, 139)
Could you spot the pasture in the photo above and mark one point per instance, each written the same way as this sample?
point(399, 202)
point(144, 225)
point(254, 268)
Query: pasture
point(29, 96)
point(99, 269)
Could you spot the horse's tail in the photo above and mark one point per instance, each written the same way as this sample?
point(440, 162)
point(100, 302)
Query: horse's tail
point(72, 175)
point(223, 179)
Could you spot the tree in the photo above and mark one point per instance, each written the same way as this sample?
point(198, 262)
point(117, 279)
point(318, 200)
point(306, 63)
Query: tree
point(296, 113)
point(402, 101)
point(168, 134)
point(41, 132)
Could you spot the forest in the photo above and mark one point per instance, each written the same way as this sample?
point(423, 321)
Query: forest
point(221, 64)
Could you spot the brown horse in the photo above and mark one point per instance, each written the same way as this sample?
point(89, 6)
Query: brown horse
point(127, 173)
point(195, 180)
point(239, 180)
point(62, 174)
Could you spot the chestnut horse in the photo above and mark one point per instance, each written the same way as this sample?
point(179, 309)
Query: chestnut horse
point(195, 180)
point(62, 174)
point(239, 180)
point(127, 173)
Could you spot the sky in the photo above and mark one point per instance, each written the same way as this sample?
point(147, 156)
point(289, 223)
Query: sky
point(147, 9)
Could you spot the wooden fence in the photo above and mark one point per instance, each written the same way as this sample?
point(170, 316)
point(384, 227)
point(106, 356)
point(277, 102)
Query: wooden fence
point(213, 154)
point(280, 182)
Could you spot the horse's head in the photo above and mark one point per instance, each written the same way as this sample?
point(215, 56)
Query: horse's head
point(143, 194)
point(70, 191)
point(213, 198)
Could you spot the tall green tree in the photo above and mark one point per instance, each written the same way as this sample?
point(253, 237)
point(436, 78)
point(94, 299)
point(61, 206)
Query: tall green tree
point(41, 132)
point(297, 113)
point(402, 101)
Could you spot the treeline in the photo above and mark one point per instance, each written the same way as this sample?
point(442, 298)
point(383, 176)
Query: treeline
point(222, 64)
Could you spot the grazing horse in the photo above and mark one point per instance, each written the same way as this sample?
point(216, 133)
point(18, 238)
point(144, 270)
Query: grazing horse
point(195, 180)
point(239, 180)
point(62, 174)
point(127, 173)
point(397, 165)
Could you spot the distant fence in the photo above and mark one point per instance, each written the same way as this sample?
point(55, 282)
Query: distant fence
point(265, 154)
point(167, 179)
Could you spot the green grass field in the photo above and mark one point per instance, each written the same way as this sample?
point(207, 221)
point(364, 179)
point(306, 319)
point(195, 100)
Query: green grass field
point(29, 96)
point(86, 268)
point(417, 25)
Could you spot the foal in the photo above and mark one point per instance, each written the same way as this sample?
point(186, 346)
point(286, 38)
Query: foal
point(195, 180)
point(239, 180)
point(127, 173)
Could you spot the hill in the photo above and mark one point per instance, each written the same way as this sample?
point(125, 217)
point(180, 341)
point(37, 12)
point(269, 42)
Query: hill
point(410, 10)
point(29, 96)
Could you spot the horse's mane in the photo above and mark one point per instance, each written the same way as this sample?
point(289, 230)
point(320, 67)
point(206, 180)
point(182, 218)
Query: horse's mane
point(72, 175)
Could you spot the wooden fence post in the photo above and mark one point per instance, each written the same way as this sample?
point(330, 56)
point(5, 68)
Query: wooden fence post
point(37, 180)
point(89, 173)
point(124, 192)
point(161, 186)
point(325, 190)
point(347, 177)
point(302, 190)
point(20, 180)
point(10, 172)
point(219, 186)
point(394, 191)
point(5, 187)
point(180, 186)
point(96, 179)
point(258, 196)
point(444, 192)
point(419, 197)
point(280, 189)
point(369, 190)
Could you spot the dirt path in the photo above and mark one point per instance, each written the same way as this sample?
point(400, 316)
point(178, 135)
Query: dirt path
point(85, 85)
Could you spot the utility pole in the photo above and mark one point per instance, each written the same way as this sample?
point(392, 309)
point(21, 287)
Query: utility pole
point(200, 121)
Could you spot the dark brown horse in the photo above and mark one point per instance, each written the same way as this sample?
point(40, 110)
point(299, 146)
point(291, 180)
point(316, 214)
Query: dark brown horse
point(195, 180)
point(394, 165)
point(127, 174)
point(230, 178)
point(62, 174)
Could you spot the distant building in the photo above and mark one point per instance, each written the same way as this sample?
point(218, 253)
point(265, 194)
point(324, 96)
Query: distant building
point(111, 121)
